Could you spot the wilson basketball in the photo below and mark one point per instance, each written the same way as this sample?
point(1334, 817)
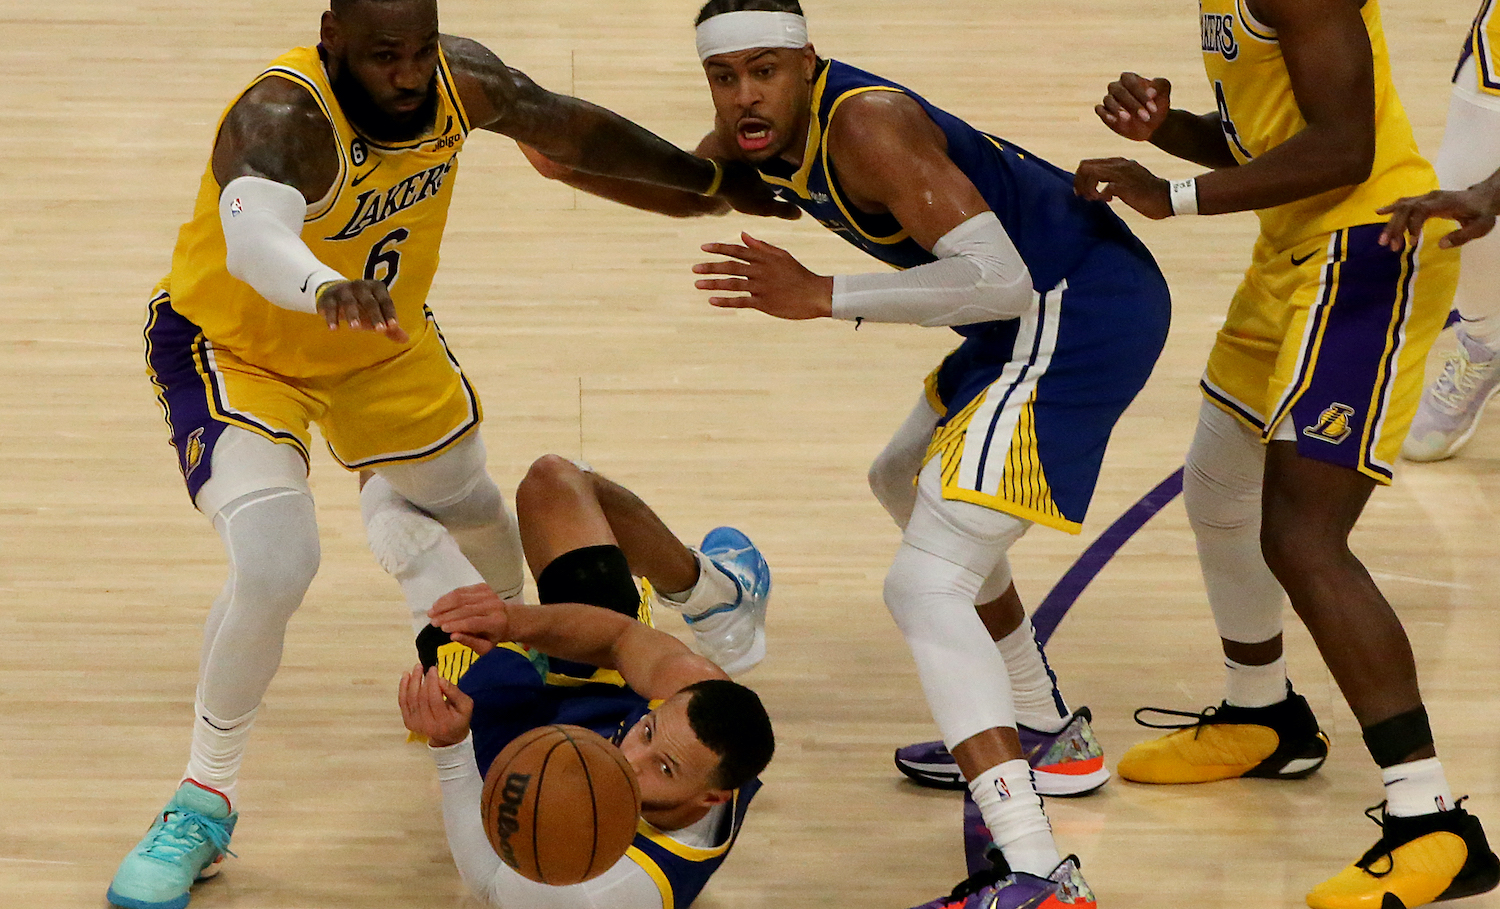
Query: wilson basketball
point(560, 805)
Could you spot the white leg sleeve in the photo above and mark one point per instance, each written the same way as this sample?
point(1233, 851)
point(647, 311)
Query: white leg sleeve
point(1471, 153)
point(454, 489)
point(244, 462)
point(948, 549)
point(894, 473)
point(1222, 490)
point(418, 551)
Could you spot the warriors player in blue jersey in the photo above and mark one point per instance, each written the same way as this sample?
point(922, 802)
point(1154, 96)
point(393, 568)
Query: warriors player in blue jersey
point(297, 295)
point(1063, 314)
point(696, 740)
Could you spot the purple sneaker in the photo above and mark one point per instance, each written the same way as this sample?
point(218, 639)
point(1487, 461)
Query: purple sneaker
point(997, 887)
point(1065, 763)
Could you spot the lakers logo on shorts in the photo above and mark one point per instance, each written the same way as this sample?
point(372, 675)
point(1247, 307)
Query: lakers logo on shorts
point(194, 452)
point(1333, 424)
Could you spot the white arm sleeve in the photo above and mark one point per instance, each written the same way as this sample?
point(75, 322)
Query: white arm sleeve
point(263, 237)
point(625, 886)
point(978, 277)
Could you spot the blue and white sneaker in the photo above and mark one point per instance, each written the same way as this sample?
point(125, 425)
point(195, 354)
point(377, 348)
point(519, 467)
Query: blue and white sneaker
point(733, 634)
point(1451, 407)
point(186, 844)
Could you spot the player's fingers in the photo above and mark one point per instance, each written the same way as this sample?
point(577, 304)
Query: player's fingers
point(730, 284)
point(479, 645)
point(760, 245)
point(732, 302)
point(726, 249)
point(1131, 100)
point(1471, 230)
point(723, 268)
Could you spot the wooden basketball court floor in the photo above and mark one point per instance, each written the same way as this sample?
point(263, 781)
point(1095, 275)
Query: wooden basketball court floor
point(578, 324)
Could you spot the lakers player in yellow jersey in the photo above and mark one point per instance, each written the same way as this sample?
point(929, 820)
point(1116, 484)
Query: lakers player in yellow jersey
point(297, 297)
point(1309, 391)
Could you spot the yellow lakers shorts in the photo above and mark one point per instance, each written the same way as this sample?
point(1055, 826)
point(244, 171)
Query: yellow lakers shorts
point(1333, 335)
point(408, 408)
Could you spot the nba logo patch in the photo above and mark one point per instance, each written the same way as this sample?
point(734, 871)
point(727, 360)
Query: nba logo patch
point(1001, 789)
point(192, 454)
point(1333, 424)
point(235, 208)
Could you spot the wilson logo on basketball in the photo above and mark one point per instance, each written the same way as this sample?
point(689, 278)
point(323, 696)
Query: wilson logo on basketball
point(510, 805)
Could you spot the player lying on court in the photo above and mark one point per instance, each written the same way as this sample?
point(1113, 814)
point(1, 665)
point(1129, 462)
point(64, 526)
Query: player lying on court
point(696, 740)
point(1308, 394)
point(322, 207)
point(1063, 314)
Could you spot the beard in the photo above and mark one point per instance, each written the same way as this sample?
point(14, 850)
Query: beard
point(376, 122)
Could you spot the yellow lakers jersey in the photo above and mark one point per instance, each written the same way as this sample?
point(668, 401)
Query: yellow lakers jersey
point(1259, 112)
point(383, 219)
point(1483, 44)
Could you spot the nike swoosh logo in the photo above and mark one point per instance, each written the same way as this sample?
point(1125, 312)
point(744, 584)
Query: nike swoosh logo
point(1303, 260)
point(364, 176)
point(305, 280)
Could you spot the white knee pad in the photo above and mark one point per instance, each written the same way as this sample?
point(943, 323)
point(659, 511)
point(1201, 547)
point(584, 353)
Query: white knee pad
point(1225, 469)
point(963, 674)
point(417, 551)
point(1222, 491)
point(894, 472)
point(966, 534)
point(452, 487)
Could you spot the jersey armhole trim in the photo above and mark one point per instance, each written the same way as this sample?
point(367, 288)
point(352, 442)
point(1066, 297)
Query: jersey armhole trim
point(451, 87)
point(833, 191)
point(1253, 26)
point(324, 205)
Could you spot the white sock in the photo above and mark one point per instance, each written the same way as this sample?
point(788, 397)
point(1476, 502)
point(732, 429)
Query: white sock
point(1013, 812)
point(217, 750)
point(1033, 686)
point(713, 588)
point(1416, 787)
point(1255, 686)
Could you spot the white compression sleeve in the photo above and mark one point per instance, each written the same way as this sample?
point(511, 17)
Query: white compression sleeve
point(624, 886)
point(262, 223)
point(979, 277)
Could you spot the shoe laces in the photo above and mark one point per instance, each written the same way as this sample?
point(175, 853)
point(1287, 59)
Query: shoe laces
point(1461, 376)
point(998, 871)
point(1198, 720)
point(183, 831)
point(1384, 847)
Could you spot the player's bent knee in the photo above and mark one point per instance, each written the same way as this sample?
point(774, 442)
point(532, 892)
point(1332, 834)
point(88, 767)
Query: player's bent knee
point(550, 479)
point(272, 540)
point(921, 586)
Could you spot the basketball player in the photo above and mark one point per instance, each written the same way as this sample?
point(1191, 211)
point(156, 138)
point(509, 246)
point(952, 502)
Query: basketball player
point(1063, 313)
point(1451, 406)
point(296, 296)
point(696, 740)
point(1309, 391)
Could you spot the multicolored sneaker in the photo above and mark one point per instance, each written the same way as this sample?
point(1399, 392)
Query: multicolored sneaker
point(1450, 408)
point(1066, 763)
point(997, 887)
point(1279, 742)
point(187, 843)
point(1417, 860)
point(734, 634)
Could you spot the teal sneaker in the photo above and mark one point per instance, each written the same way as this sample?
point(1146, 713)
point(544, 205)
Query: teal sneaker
point(734, 634)
point(185, 845)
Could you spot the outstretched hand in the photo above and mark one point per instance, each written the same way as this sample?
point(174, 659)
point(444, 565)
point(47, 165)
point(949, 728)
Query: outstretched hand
point(1127, 181)
point(1472, 209)
point(777, 284)
point(432, 706)
point(474, 616)
point(363, 306)
point(743, 188)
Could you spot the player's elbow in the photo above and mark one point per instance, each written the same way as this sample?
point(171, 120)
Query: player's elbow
point(1353, 163)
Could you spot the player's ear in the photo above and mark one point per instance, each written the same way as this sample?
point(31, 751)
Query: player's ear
point(328, 34)
point(714, 797)
point(809, 63)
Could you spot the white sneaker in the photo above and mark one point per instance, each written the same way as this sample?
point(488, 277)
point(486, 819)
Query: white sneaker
point(1451, 406)
point(733, 633)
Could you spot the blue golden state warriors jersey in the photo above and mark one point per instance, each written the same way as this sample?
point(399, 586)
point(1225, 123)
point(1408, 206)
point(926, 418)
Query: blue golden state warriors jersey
point(514, 694)
point(1052, 228)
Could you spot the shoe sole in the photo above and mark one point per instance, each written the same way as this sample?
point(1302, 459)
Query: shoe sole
point(1463, 439)
point(1055, 785)
point(125, 902)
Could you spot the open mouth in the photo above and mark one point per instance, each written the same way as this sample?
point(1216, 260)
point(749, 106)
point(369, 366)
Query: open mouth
point(754, 134)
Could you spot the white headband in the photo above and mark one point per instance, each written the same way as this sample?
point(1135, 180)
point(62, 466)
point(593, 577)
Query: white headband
point(730, 32)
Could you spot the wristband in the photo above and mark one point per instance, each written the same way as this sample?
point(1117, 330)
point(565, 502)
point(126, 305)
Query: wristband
point(718, 180)
point(1184, 196)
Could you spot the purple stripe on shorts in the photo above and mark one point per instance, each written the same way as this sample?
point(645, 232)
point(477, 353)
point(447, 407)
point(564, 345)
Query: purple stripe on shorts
point(1368, 307)
point(170, 344)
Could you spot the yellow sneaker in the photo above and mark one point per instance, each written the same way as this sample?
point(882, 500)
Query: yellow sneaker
point(1418, 860)
point(1280, 742)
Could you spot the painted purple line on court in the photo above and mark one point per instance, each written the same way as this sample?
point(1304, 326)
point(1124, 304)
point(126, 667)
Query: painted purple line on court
point(1078, 576)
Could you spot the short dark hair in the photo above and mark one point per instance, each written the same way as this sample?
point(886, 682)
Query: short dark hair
point(730, 721)
point(342, 7)
point(715, 7)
